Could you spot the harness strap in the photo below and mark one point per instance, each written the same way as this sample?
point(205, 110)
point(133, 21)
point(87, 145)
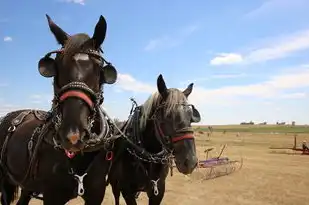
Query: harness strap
point(16, 122)
point(20, 118)
point(80, 178)
point(36, 149)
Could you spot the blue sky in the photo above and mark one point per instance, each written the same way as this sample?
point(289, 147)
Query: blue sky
point(248, 59)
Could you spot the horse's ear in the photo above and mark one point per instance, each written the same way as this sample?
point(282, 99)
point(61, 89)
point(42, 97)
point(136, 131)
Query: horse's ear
point(99, 32)
point(161, 86)
point(188, 90)
point(59, 34)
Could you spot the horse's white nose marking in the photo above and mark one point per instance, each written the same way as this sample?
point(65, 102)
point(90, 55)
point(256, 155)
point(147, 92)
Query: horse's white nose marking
point(73, 136)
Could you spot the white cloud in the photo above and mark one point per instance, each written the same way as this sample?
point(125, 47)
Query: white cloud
point(226, 58)
point(272, 88)
point(227, 76)
point(41, 99)
point(277, 7)
point(6, 108)
point(163, 41)
point(169, 41)
point(128, 83)
point(81, 2)
point(257, 101)
point(275, 87)
point(7, 39)
point(281, 48)
point(220, 105)
point(215, 76)
point(294, 95)
point(275, 48)
point(35, 101)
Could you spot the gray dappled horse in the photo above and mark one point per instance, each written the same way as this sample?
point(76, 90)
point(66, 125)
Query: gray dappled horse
point(158, 131)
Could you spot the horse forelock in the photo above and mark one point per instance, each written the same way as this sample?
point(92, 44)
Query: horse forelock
point(174, 98)
point(74, 44)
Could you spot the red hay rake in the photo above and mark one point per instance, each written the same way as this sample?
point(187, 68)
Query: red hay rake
point(214, 167)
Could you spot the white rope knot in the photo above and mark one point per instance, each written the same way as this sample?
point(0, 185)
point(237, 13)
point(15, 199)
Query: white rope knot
point(155, 186)
point(80, 187)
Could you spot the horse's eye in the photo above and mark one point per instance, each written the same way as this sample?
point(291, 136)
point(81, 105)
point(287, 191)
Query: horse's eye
point(97, 61)
point(190, 108)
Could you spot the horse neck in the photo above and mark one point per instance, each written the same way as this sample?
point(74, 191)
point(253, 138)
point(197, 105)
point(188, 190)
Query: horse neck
point(149, 139)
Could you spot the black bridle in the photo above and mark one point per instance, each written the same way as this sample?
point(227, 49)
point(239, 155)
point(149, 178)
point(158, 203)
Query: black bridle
point(165, 156)
point(93, 100)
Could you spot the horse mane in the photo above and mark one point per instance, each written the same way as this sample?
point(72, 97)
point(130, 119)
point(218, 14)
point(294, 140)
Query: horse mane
point(74, 44)
point(174, 98)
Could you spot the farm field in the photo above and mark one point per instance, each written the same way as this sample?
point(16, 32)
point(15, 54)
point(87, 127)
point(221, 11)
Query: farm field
point(258, 128)
point(265, 179)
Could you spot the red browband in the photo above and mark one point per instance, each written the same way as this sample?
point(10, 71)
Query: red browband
point(78, 94)
point(187, 136)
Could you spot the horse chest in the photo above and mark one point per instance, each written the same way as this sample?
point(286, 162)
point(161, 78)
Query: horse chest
point(140, 176)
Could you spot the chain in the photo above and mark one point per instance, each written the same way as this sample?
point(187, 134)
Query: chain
point(37, 130)
point(152, 158)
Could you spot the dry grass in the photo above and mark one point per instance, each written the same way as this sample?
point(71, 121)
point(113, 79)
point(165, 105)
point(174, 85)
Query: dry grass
point(265, 179)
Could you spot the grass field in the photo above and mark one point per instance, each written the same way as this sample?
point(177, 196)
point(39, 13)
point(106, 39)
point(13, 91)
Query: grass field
point(257, 128)
point(266, 178)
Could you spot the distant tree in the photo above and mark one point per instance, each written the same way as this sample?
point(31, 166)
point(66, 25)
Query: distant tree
point(247, 123)
point(280, 123)
point(116, 120)
point(263, 123)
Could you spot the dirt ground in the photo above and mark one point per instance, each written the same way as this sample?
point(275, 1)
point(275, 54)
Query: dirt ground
point(265, 179)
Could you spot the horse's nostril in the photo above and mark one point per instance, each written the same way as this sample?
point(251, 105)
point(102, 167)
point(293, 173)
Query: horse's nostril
point(186, 162)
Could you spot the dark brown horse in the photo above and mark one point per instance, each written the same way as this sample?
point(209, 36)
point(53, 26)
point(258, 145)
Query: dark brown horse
point(158, 131)
point(54, 152)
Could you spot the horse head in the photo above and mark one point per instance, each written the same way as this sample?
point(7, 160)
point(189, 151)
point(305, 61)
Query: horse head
point(172, 116)
point(78, 71)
